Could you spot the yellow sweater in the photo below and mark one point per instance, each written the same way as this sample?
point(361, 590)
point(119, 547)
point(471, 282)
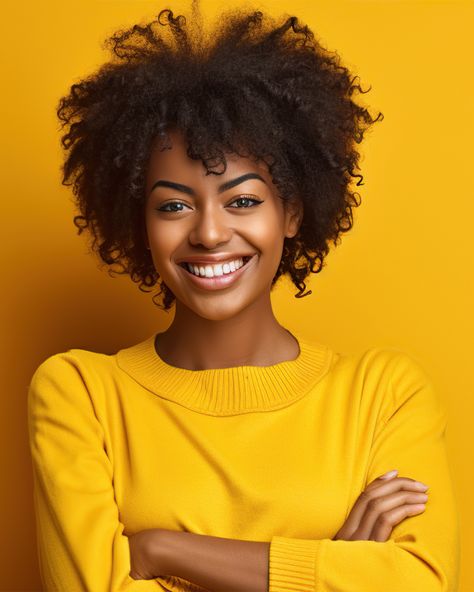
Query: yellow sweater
point(126, 442)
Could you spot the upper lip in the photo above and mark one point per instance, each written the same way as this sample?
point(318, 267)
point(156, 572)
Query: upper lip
point(213, 258)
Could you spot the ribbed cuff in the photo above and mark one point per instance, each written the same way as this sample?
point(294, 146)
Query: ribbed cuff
point(293, 564)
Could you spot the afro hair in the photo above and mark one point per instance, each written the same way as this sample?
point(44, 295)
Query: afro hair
point(254, 86)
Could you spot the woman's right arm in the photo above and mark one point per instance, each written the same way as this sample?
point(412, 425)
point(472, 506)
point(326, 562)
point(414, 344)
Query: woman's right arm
point(80, 541)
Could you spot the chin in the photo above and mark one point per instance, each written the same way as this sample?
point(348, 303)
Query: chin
point(212, 313)
point(213, 310)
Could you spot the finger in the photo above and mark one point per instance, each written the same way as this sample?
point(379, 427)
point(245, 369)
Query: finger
point(374, 490)
point(379, 506)
point(379, 482)
point(384, 525)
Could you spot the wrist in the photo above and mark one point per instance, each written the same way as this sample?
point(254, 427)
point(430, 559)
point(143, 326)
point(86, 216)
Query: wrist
point(154, 551)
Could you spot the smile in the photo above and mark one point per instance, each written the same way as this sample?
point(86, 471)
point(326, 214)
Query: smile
point(215, 270)
point(217, 276)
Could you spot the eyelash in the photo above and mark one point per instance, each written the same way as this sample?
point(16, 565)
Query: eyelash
point(248, 198)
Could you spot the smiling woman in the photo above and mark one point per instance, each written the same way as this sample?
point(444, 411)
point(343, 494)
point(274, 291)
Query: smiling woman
point(226, 453)
point(254, 88)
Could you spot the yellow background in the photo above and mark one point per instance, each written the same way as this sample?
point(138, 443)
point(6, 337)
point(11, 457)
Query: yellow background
point(402, 277)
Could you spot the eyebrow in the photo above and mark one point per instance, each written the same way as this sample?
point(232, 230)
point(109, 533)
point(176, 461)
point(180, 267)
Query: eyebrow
point(223, 187)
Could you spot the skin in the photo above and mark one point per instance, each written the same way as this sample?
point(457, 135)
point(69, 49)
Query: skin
point(211, 223)
point(199, 338)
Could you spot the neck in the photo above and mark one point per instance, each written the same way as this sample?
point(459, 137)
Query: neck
point(252, 337)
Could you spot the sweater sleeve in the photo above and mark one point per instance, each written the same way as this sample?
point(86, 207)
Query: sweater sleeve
point(423, 551)
point(80, 541)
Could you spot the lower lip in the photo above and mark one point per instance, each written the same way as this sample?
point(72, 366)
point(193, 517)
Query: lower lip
point(218, 282)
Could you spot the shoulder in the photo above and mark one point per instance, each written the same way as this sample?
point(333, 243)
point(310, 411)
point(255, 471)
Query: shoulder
point(383, 362)
point(67, 374)
point(66, 361)
point(385, 378)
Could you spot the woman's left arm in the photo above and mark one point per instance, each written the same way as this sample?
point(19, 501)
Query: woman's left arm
point(422, 553)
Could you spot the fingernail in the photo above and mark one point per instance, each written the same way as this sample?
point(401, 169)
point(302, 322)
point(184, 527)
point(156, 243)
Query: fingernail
point(389, 474)
point(421, 485)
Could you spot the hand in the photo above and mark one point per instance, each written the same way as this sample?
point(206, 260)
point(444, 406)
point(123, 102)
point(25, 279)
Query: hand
point(383, 504)
point(144, 547)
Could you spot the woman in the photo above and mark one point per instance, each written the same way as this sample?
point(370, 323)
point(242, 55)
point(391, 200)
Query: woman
point(226, 453)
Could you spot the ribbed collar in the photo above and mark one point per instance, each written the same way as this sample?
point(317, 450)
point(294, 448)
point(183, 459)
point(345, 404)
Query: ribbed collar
point(228, 391)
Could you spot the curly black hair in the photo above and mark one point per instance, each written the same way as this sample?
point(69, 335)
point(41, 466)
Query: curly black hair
point(253, 86)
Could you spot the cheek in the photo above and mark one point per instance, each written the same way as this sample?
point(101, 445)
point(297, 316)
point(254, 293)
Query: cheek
point(164, 240)
point(163, 237)
point(266, 232)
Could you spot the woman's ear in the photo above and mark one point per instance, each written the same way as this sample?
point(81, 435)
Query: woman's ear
point(293, 217)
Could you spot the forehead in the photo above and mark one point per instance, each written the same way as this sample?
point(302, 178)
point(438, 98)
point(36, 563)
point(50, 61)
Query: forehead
point(174, 164)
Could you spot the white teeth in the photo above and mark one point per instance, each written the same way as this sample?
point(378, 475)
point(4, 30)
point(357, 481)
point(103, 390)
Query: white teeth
point(219, 269)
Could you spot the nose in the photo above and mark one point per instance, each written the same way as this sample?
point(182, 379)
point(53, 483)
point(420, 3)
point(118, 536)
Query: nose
point(210, 228)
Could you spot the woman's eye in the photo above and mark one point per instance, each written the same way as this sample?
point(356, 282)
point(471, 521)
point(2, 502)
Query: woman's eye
point(171, 203)
point(246, 200)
